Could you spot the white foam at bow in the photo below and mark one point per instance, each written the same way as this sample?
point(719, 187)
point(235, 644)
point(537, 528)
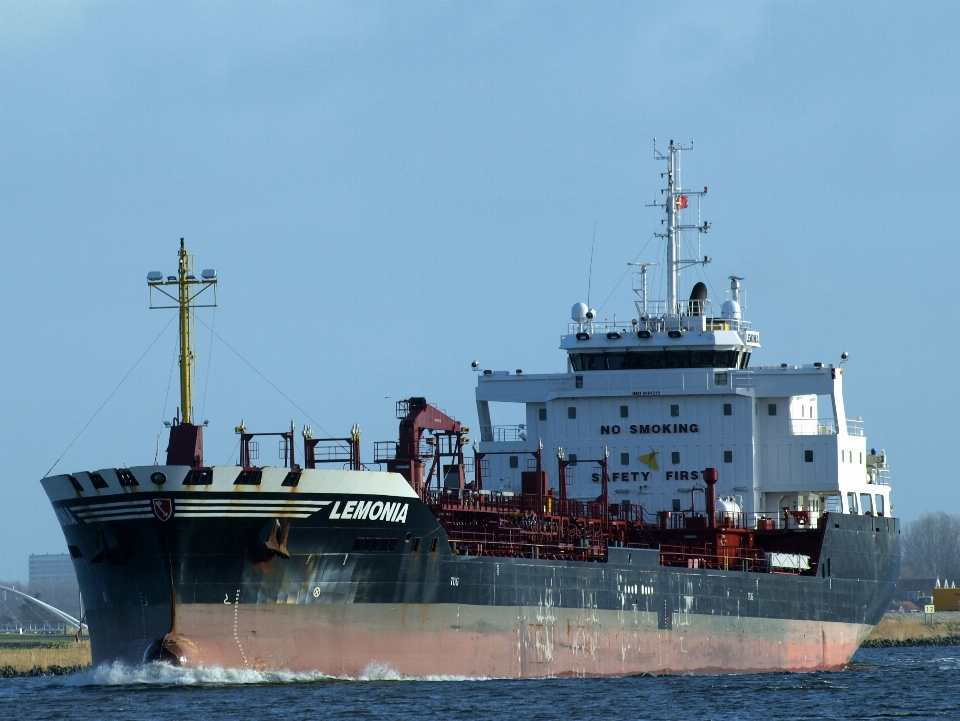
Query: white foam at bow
point(163, 674)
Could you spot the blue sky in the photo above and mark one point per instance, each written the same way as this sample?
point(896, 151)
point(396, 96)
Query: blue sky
point(392, 190)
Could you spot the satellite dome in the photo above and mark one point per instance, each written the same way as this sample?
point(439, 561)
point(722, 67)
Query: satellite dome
point(730, 309)
point(579, 312)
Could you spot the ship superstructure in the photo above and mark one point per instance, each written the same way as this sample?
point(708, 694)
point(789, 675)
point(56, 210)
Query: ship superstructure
point(590, 541)
point(672, 392)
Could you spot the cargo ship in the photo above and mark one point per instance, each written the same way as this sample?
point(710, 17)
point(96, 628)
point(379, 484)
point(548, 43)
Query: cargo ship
point(665, 508)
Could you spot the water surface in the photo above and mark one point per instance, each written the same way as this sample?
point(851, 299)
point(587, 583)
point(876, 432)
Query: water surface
point(880, 683)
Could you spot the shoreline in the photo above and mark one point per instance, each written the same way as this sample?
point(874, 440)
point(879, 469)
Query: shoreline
point(23, 655)
point(897, 630)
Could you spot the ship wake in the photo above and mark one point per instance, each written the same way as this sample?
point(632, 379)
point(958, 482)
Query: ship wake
point(164, 674)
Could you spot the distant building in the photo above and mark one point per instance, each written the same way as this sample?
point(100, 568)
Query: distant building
point(53, 581)
point(51, 567)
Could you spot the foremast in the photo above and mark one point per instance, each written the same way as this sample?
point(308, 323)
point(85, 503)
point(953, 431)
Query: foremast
point(186, 437)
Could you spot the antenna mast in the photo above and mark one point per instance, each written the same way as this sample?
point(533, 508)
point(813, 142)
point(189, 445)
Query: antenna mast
point(642, 290)
point(676, 201)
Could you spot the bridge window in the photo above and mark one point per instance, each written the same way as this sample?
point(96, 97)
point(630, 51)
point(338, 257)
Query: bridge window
point(866, 504)
point(661, 358)
point(879, 505)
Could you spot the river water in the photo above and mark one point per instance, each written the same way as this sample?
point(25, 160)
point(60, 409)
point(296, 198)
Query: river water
point(908, 683)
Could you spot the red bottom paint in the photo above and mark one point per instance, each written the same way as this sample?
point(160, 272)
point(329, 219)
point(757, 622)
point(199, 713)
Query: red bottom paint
point(499, 641)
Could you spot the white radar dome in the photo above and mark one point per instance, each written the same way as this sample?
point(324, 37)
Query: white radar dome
point(579, 312)
point(730, 309)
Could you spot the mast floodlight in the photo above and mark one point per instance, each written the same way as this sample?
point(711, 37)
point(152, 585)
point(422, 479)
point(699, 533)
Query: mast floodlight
point(154, 276)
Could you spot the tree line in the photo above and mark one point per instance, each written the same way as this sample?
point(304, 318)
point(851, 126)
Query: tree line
point(930, 547)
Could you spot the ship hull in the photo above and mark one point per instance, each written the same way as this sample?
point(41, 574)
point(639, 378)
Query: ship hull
point(500, 642)
point(195, 589)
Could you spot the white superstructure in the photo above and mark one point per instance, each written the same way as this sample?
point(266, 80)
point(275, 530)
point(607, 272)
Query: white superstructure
point(670, 393)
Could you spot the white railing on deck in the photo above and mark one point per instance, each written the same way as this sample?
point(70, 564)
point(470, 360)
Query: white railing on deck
point(655, 324)
point(503, 434)
point(855, 428)
point(881, 477)
point(813, 426)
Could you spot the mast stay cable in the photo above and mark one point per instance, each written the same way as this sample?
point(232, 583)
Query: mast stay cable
point(254, 369)
point(143, 355)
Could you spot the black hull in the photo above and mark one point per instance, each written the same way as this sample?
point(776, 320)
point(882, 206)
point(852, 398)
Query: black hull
point(158, 587)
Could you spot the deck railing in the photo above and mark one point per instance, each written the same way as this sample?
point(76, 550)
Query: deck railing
point(550, 507)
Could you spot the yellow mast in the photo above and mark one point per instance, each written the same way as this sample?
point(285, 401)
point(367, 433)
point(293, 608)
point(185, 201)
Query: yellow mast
point(187, 358)
point(188, 287)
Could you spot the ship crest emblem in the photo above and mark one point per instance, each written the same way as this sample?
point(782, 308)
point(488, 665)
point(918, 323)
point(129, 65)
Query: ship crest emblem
point(163, 508)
